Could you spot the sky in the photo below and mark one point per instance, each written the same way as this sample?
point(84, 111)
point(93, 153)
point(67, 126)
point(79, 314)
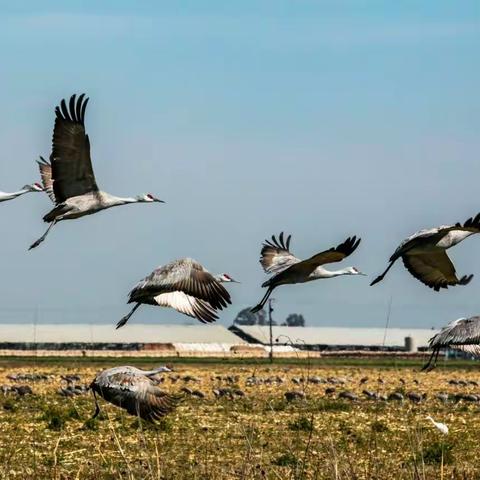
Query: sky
point(322, 119)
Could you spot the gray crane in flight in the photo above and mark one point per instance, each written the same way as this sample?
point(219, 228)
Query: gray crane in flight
point(277, 259)
point(69, 177)
point(184, 285)
point(424, 254)
point(134, 390)
point(461, 334)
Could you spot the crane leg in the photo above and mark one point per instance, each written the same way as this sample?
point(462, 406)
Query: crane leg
point(125, 319)
point(432, 361)
point(380, 277)
point(43, 237)
point(262, 301)
point(97, 407)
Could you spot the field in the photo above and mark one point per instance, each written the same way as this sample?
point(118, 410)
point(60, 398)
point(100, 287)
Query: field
point(258, 435)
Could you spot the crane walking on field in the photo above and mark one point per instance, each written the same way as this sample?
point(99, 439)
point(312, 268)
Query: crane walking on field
point(133, 390)
point(461, 334)
point(424, 254)
point(184, 285)
point(34, 187)
point(277, 259)
point(69, 178)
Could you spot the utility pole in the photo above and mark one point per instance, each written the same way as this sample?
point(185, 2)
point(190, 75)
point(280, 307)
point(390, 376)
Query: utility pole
point(270, 310)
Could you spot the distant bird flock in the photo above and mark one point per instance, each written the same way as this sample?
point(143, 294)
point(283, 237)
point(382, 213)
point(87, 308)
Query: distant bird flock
point(187, 287)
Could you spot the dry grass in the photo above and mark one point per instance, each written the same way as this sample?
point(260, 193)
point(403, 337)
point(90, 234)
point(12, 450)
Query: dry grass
point(259, 436)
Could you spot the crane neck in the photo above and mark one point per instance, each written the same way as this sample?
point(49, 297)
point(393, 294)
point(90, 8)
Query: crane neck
point(323, 273)
point(18, 193)
point(114, 201)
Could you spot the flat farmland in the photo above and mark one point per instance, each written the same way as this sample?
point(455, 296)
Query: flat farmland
point(235, 422)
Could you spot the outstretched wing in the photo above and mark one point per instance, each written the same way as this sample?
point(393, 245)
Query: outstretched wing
point(46, 175)
point(188, 305)
point(138, 396)
point(458, 334)
point(434, 269)
point(334, 254)
point(471, 349)
point(430, 235)
point(187, 276)
point(275, 256)
point(471, 225)
point(72, 170)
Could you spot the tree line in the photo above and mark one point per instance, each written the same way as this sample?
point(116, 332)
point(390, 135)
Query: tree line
point(246, 317)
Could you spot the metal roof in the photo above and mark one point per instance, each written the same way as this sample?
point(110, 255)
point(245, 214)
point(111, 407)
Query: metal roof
point(339, 335)
point(135, 333)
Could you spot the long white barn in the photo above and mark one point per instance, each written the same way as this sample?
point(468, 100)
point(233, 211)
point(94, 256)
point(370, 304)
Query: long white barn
point(104, 333)
point(337, 337)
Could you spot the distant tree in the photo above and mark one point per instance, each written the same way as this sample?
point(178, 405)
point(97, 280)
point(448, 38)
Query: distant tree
point(295, 320)
point(246, 317)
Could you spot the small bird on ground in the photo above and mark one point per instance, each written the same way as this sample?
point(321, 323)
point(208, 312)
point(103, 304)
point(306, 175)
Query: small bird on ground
point(276, 259)
point(424, 254)
point(134, 390)
point(184, 285)
point(68, 178)
point(440, 426)
point(461, 334)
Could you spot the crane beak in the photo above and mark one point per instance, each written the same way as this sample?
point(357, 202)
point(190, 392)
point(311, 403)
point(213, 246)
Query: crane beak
point(158, 200)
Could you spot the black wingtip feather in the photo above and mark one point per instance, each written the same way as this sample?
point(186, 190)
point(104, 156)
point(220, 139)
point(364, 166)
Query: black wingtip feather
point(75, 112)
point(279, 243)
point(64, 109)
point(71, 106)
point(78, 108)
point(84, 107)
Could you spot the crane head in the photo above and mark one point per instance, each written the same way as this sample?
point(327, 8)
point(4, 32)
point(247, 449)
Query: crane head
point(34, 187)
point(354, 271)
point(223, 277)
point(149, 198)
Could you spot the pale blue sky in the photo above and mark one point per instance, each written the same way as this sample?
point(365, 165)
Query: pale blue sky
point(323, 119)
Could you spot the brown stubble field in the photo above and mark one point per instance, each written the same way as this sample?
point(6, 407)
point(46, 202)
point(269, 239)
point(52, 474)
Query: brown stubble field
point(256, 436)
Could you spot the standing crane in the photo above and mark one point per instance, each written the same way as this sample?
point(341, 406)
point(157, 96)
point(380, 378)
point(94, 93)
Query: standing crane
point(69, 177)
point(34, 187)
point(184, 285)
point(133, 390)
point(277, 259)
point(424, 254)
point(461, 334)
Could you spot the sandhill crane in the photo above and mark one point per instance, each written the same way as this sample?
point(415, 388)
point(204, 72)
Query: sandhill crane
point(184, 285)
point(461, 334)
point(70, 180)
point(34, 187)
point(277, 259)
point(424, 254)
point(133, 390)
